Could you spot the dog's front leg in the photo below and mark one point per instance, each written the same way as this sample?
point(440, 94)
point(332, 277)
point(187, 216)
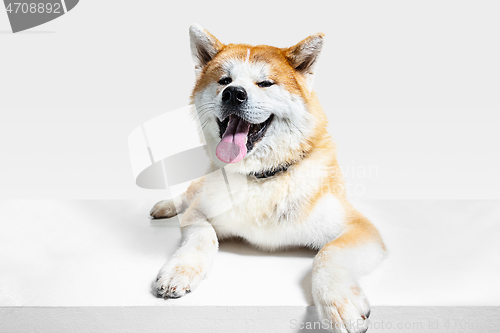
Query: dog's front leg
point(336, 270)
point(191, 262)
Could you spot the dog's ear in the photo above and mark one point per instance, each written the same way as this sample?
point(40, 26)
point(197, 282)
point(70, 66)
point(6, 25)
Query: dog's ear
point(304, 56)
point(204, 46)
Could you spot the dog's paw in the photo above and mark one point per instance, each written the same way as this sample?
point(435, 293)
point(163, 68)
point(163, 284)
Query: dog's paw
point(163, 209)
point(346, 309)
point(177, 279)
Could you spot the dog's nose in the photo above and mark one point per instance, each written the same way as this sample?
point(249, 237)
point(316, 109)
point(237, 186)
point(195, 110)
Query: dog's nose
point(234, 95)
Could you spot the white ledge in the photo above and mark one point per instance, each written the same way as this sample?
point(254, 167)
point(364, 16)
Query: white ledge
point(107, 253)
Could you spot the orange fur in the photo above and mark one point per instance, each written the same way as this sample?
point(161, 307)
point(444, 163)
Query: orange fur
point(194, 189)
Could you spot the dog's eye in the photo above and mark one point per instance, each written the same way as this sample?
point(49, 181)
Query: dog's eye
point(265, 84)
point(225, 81)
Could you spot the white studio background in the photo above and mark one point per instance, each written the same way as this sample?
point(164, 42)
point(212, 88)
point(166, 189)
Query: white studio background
point(411, 90)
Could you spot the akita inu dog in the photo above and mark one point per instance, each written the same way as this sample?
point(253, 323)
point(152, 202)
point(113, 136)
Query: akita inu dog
point(263, 123)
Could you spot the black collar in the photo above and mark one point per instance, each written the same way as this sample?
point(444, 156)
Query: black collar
point(270, 172)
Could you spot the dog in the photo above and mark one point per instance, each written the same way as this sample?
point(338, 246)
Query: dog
point(264, 126)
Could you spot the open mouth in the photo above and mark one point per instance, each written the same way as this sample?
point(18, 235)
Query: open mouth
point(238, 137)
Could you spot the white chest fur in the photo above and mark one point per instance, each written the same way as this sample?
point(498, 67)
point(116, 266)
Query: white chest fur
point(271, 213)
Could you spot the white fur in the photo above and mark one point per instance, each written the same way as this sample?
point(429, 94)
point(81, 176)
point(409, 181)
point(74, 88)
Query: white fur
point(283, 227)
point(336, 273)
point(291, 125)
point(190, 263)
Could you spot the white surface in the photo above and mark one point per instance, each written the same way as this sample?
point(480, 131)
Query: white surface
point(410, 87)
point(85, 253)
point(244, 319)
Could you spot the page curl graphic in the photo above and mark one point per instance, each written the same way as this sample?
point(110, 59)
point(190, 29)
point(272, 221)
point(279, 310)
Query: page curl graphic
point(26, 14)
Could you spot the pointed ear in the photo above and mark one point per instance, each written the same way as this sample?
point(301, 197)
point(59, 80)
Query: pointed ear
point(304, 56)
point(204, 46)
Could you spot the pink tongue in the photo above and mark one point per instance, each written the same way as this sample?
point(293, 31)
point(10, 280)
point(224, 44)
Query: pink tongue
point(233, 145)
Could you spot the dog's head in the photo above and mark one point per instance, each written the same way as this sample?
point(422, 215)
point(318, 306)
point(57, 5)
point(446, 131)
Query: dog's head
point(255, 102)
